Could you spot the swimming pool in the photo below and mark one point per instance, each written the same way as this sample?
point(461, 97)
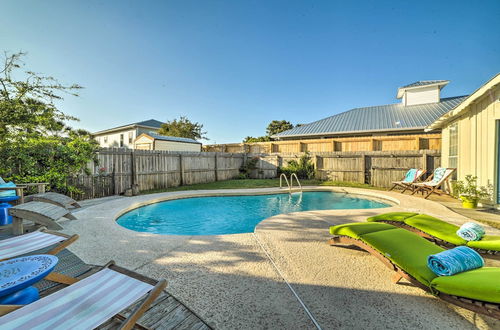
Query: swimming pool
point(232, 214)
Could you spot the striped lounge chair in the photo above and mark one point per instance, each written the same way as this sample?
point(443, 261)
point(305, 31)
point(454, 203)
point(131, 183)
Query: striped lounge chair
point(439, 177)
point(87, 304)
point(19, 245)
point(411, 177)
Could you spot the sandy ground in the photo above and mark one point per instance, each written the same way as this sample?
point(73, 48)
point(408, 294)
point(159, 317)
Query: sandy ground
point(229, 281)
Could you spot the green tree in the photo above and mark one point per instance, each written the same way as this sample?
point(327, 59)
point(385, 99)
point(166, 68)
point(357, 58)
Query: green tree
point(249, 139)
point(36, 144)
point(183, 127)
point(278, 126)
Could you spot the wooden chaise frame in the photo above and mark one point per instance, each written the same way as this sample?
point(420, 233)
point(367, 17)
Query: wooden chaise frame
point(408, 185)
point(491, 254)
point(434, 189)
point(482, 307)
point(129, 322)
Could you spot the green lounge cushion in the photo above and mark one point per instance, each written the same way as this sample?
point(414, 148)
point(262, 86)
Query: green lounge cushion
point(356, 229)
point(481, 284)
point(488, 242)
point(406, 249)
point(437, 228)
point(392, 216)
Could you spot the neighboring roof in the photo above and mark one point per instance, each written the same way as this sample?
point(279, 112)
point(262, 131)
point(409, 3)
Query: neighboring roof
point(169, 138)
point(421, 83)
point(151, 123)
point(464, 106)
point(391, 117)
point(425, 83)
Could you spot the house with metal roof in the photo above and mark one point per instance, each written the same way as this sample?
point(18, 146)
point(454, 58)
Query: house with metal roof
point(421, 104)
point(124, 136)
point(154, 141)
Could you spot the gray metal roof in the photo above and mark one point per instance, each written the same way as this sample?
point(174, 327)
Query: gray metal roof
point(149, 123)
point(171, 138)
point(424, 83)
point(152, 123)
point(391, 117)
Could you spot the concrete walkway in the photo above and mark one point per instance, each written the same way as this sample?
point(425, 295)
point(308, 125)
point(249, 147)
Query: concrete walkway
point(230, 282)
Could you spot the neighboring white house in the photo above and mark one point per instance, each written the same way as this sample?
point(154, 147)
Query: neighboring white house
point(153, 141)
point(124, 136)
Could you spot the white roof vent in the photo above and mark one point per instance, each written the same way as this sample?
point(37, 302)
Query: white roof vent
point(421, 92)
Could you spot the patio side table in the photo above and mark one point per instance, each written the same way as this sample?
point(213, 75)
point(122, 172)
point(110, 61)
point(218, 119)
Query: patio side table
point(18, 274)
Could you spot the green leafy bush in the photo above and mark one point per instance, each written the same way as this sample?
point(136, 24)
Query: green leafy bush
point(304, 168)
point(248, 167)
point(469, 189)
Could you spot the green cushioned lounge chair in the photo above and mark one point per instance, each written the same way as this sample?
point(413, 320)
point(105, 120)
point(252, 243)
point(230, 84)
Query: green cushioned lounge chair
point(439, 231)
point(406, 253)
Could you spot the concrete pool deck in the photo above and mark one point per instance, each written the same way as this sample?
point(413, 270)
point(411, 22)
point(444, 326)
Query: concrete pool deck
point(230, 282)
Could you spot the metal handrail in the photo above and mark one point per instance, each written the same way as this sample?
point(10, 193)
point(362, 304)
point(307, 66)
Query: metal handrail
point(287, 183)
point(293, 175)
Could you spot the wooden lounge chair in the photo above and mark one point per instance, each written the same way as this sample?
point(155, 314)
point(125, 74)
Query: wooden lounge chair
point(406, 253)
point(88, 303)
point(411, 177)
point(54, 198)
point(40, 213)
point(42, 238)
point(431, 186)
point(439, 232)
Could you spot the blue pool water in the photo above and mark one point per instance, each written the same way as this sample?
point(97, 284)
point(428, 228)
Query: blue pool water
point(231, 214)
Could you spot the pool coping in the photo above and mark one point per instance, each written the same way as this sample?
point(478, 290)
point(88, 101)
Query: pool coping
point(254, 192)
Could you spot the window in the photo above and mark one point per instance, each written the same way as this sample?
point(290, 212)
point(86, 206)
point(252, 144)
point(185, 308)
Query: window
point(453, 148)
point(130, 137)
point(105, 139)
point(121, 140)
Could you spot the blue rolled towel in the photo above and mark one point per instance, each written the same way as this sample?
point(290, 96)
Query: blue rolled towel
point(453, 261)
point(471, 231)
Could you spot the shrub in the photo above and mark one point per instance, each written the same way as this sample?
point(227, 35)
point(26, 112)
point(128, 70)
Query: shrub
point(304, 168)
point(469, 188)
point(248, 167)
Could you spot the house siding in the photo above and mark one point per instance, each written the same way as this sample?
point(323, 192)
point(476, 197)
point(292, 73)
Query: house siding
point(422, 95)
point(477, 138)
point(113, 139)
point(177, 146)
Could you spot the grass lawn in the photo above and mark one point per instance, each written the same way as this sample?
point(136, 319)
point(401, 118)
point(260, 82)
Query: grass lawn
point(257, 183)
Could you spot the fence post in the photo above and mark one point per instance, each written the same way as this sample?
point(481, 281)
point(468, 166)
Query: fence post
point(181, 168)
point(216, 168)
point(424, 161)
point(113, 178)
point(363, 169)
point(132, 168)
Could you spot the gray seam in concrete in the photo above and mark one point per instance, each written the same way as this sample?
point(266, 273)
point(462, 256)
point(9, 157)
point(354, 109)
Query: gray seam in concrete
point(308, 312)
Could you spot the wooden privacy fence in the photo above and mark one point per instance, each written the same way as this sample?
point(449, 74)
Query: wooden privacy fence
point(378, 168)
point(367, 143)
point(120, 169)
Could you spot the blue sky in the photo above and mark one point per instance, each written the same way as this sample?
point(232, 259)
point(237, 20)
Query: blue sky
point(236, 65)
